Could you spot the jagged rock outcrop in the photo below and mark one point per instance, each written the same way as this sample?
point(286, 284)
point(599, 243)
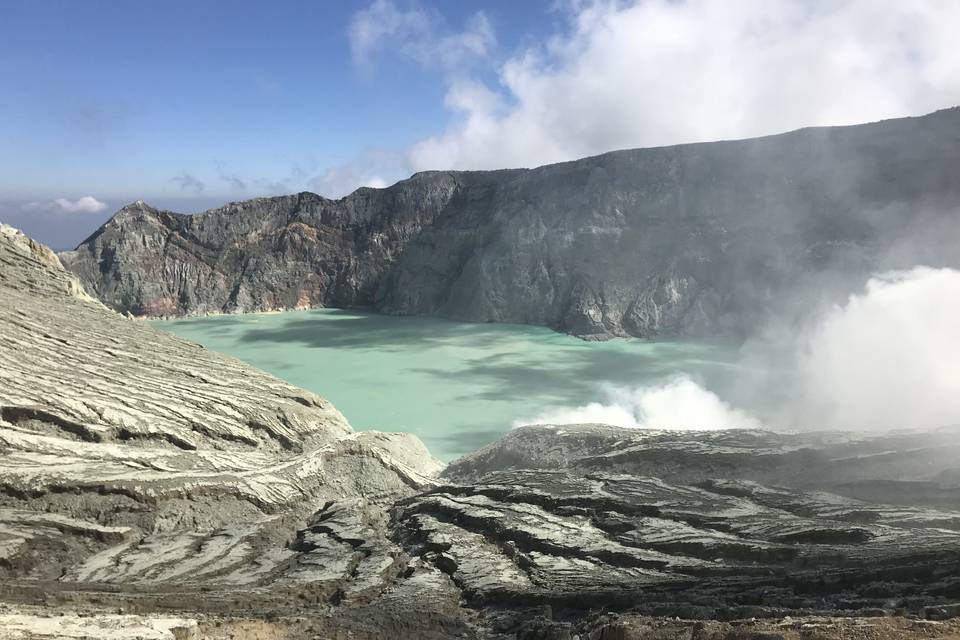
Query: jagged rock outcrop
point(268, 253)
point(692, 239)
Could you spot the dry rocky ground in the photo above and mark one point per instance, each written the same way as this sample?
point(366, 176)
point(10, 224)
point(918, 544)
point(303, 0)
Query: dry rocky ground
point(33, 623)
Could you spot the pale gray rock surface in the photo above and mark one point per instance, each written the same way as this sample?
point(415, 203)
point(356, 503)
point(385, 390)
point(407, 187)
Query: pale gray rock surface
point(138, 464)
point(33, 624)
point(699, 239)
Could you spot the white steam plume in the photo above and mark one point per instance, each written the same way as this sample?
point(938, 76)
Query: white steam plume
point(679, 403)
point(888, 358)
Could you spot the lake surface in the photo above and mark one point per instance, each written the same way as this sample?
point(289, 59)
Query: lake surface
point(457, 385)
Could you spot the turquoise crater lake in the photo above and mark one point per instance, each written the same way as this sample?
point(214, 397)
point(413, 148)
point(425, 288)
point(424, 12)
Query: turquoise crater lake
point(457, 385)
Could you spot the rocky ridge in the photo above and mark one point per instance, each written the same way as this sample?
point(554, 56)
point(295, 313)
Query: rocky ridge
point(695, 239)
point(147, 484)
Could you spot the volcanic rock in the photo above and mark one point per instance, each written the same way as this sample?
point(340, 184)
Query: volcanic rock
point(697, 239)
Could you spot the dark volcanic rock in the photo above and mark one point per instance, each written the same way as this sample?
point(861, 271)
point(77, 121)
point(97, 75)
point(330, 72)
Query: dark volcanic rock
point(897, 467)
point(269, 253)
point(733, 524)
point(689, 239)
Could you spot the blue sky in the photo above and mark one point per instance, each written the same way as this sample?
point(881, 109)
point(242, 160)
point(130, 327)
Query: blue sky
point(191, 104)
point(132, 99)
point(139, 87)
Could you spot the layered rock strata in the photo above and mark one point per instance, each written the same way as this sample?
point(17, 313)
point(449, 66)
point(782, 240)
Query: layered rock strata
point(142, 466)
point(726, 525)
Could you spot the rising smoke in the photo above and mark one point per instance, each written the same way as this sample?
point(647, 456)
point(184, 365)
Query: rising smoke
point(678, 403)
point(887, 357)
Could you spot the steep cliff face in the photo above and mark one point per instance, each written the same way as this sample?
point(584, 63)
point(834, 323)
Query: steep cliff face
point(688, 239)
point(268, 253)
point(691, 239)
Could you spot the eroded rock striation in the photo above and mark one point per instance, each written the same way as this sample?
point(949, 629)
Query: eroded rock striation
point(150, 487)
point(713, 525)
point(133, 462)
point(692, 239)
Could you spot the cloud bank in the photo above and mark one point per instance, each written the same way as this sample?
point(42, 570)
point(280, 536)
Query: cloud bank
point(663, 72)
point(86, 204)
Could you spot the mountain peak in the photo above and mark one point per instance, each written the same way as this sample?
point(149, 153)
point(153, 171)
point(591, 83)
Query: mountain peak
point(134, 209)
point(139, 204)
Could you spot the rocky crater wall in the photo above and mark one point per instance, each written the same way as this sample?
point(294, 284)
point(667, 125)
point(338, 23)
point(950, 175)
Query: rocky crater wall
point(698, 239)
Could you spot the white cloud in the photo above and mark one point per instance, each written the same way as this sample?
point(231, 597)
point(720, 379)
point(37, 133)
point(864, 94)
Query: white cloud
point(374, 168)
point(418, 34)
point(664, 72)
point(86, 204)
point(660, 72)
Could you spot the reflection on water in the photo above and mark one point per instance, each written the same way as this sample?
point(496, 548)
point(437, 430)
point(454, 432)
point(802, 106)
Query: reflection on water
point(456, 385)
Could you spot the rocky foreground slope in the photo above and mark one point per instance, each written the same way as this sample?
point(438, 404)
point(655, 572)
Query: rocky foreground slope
point(141, 463)
point(150, 488)
point(692, 239)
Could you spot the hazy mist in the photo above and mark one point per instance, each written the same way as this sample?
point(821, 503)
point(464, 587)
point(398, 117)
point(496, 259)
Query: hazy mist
point(887, 357)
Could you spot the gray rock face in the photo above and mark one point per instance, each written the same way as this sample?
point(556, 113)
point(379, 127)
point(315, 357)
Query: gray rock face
point(692, 239)
point(262, 254)
point(904, 468)
point(719, 525)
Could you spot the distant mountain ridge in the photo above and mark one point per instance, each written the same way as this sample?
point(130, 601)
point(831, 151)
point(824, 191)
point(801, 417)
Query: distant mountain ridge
point(696, 239)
